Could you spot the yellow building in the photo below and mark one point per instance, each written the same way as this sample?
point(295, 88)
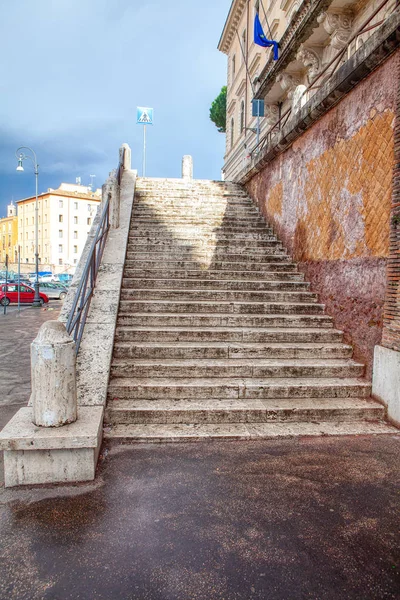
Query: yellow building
point(9, 236)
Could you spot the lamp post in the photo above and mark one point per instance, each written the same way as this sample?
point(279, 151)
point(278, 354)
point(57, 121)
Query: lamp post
point(21, 157)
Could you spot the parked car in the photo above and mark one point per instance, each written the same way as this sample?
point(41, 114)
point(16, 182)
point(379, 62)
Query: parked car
point(54, 291)
point(9, 293)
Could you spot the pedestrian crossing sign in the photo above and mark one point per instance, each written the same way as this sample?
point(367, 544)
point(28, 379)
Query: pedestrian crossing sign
point(144, 115)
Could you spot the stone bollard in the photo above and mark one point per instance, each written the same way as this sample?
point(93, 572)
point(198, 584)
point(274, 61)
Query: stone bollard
point(187, 167)
point(53, 367)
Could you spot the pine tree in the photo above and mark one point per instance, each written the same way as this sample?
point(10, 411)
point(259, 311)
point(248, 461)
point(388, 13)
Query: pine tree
point(218, 111)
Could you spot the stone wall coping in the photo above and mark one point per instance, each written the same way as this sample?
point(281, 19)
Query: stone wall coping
point(21, 434)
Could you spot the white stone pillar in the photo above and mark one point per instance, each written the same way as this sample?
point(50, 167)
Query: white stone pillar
point(53, 367)
point(187, 167)
point(386, 381)
point(127, 162)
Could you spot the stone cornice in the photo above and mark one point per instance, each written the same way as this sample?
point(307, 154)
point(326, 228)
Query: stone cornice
point(231, 24)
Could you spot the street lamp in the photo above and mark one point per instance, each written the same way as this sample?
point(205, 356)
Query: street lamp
point(21, 157)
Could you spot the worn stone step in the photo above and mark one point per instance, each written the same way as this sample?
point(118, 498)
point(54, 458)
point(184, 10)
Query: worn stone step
point(227, 350)
point(276, 410)
point(158, 228)
point(240, 335)
point(245, 301)
point(142, 319)
point(159, 303)
point(245, 367)
point(213, 284)
point(211, 237)
point(170, 388)
point(225, 268)
point(173, 244)
point(180, 249)
point(242, 431)
point(243, 262)
point(257, 255)
point(193, 275)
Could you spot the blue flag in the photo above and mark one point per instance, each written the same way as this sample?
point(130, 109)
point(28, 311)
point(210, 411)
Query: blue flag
point(261, 40)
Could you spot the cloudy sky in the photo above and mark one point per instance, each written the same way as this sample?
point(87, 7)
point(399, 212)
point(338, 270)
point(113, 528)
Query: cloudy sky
point(73, 71)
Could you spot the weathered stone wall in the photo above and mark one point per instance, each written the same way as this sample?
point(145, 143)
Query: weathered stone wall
point(329, 198)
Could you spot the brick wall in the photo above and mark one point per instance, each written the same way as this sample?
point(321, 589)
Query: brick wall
point(329, 197)
point(391, 321)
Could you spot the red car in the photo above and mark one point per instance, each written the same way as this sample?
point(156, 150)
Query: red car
point(27, 294)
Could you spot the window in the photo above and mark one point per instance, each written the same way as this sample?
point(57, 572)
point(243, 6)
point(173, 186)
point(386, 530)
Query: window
point(60, 248)
point(233, 67)
point(20, 222)
point(89, 221)
point(26, 235)
point(244, 49)
point(75, 206)
point(75, 261)
point(45, 218)
point(27, 259)
point(60, 203)
point(39, 219)
point(60, 261)
point(232, 131)
point(45, 233)
point(89, 206)
point(257, 6)
point(242, 117)
point(27, 221)
point(60, 233)
point(75, 220)
point(33, 220)
point(75, 249)
point(75, 235)
point(60, 218)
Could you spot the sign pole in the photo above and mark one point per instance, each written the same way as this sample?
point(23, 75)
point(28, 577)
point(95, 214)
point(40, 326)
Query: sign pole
point(144, 151)
point(19, 279)
point(5, 287)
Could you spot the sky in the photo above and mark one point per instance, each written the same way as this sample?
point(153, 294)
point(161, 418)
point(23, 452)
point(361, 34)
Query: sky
point(73, 72)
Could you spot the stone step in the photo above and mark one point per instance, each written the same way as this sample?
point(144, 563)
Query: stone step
point(225, 268)
point(213, 284)
point(242, 431)
point(170, 223)
point(218, 254)
point(195, 212)
point(149, 301)
point(222, 320)
point(225, 350)
point(209, 246)
point(201, 200)
point(242, 411)
point(239, 262)
point(274, 336)
point(208, 237)
point(233, 368)
point(157, 228)
point(241, 301)
point(194, 275)
point(125, 388)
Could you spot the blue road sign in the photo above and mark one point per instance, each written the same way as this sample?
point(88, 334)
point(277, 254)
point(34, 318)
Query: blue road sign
point(144, 115)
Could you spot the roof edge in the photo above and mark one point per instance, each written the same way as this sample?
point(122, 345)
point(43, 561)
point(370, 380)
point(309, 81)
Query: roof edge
point(234, 14)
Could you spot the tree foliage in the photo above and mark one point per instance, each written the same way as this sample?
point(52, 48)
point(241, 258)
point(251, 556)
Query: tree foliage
point(218, 111)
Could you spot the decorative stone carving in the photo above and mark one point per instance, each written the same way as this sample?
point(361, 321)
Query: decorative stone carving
point(338, 26)
point(299, 98)
point(288, 83)
point(271, 114)
point(310, 59)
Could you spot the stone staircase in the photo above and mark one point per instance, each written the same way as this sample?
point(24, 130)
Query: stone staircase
point(218, 334)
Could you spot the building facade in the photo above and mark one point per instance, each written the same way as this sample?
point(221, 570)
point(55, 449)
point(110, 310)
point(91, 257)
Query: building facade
point(315, 39)
point(9, 236)
point(65, 216)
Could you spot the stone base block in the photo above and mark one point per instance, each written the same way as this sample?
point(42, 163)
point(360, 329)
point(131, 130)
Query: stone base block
point(386, 381)
point(35, 455)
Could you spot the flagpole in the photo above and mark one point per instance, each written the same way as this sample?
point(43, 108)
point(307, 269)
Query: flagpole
point(245, 62)
point(144, 151)
point(266, 18)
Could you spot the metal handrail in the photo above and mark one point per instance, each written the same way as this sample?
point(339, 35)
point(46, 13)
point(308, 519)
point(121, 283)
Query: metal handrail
point(81, 303)
point(281, 122)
